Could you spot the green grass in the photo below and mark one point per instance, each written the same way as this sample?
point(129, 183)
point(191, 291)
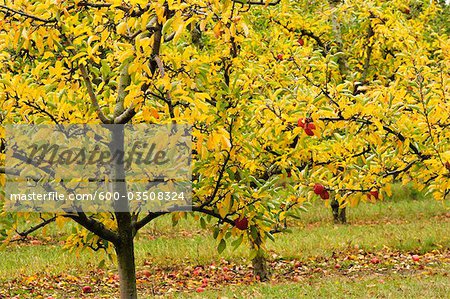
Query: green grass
point(397, 286)
point(406, 225)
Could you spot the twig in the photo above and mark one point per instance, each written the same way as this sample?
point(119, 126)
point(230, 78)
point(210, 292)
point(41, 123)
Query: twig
point(27, 15)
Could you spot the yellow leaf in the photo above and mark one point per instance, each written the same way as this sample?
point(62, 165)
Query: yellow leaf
point(121, 28)
point(217, 29)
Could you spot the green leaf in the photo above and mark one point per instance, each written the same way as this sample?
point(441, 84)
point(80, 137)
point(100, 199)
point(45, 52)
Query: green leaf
point(222, 246)
point(202, 223)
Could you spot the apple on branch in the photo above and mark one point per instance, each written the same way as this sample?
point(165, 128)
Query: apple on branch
point(319, 189)
point(373, 194)
point(307, 125)
point(241, 223)
point(325, 195)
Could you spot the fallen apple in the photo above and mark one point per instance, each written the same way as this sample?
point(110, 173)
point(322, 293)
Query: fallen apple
point(146, 273)
point(87, 289)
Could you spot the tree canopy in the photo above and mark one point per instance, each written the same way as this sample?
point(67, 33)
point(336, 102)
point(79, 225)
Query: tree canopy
point(282, 95)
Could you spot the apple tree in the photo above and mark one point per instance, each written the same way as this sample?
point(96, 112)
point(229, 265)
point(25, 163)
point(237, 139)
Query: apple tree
point(287, 99)
point(114, 62)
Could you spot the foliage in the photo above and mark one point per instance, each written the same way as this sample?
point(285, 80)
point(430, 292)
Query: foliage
point(370, 81)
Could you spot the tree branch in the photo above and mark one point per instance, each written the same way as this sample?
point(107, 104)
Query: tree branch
point(127, 9)
point(147, 219)
point(94, 226)
point(36, 227)
point(27, 15)
point(92, 95)
point(399, 135)
point(261, 2)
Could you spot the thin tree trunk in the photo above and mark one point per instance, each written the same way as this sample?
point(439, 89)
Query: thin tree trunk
point(259, 263)
point(339, 215)
point(125, 245)
point(260, 268)
point(127, 268)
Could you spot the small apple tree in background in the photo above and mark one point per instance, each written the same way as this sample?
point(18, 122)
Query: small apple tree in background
point(287, 99)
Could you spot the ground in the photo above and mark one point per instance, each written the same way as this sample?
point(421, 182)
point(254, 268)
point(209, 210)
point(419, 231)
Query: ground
point(398, 248)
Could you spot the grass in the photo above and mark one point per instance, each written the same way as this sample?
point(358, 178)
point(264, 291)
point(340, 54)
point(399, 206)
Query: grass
point(419, 226)
point(340, 287)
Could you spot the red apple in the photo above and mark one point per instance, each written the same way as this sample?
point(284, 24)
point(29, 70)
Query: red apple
point(280, 57)
point(301, 122)
point(325, 195)
point(87, 289)
point(309, 132)
point(374, 194)
point(241, 223)
point(311, 126)
point(301, 42)
point(375, 260)
point(319, 189)
point(200, 290)
point(337, 266)
point(415, 258)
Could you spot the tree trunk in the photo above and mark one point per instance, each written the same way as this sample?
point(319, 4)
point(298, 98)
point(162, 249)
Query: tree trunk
point(127, 269)
point(260, 267)
point(339, 215)
point(260, 264)
point(125, 245)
